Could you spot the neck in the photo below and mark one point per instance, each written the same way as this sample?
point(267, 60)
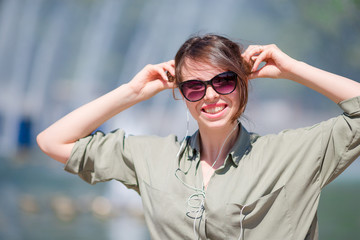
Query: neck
point(215, 140)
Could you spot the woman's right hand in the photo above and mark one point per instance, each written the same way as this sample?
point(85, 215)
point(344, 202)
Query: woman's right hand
point(152, 79)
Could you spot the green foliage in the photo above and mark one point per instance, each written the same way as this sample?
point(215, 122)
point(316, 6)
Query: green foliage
point(339, 211)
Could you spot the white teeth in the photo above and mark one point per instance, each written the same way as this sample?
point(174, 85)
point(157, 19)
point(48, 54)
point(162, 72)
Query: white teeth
point(214, 110)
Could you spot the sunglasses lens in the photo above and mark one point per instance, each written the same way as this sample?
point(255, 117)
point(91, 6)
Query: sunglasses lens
point(193, 90)
point(225, 83)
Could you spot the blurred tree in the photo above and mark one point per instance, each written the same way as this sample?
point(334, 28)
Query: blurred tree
point(324, 33)
point(337, 24)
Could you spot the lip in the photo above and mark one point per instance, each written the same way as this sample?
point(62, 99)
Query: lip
point(214, 110)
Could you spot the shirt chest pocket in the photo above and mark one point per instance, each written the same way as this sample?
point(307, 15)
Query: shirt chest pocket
point(266, 218)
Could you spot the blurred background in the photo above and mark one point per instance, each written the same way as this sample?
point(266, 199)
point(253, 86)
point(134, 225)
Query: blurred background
point(56, 55)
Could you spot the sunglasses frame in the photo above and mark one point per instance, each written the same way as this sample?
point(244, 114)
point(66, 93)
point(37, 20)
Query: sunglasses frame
point(206, 83)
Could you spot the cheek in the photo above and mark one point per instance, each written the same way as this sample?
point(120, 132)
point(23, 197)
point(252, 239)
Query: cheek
point(235, 97)
point(192, 107)
point(235, 100)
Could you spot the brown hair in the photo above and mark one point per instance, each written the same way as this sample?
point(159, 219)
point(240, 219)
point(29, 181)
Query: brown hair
point(217, 51)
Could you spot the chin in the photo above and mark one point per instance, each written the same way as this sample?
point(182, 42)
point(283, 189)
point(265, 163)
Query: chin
point(217, 124)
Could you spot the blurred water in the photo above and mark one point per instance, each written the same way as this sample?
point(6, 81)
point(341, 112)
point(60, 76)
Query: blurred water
point(40, 201)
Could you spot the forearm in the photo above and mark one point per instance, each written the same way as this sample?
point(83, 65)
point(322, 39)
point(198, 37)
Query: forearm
point(58, 140)
point(335, 87)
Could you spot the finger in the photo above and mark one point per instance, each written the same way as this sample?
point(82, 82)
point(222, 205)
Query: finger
point(258, 60)
point(169, 68)
point(251, 51)
point(256, 51)
point(172, 63)
point(161, 70)
point(250, 47)
point(246, 54)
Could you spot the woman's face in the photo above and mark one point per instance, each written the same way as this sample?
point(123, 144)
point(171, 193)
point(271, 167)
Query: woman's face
point(214, 111)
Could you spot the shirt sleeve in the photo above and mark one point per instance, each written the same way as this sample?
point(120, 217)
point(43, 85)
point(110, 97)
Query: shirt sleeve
point(101, 157)
point(340, 141)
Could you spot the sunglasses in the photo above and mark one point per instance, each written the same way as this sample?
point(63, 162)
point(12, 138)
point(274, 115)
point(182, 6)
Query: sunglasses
point(223, 83)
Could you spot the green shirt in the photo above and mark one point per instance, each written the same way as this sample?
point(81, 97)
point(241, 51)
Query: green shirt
point(268, 187)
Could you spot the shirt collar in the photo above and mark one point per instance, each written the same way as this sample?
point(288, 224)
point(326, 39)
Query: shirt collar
point(195, 141)
point(241, 147)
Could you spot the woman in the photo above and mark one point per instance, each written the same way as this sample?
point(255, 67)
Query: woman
point(223, 182)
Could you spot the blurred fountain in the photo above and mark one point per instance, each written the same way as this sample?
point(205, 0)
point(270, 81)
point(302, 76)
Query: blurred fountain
point(44, 64)
point(15, 78)
point(94, 48)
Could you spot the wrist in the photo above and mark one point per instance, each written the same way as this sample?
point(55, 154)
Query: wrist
point(130, 92)
point(293, 69)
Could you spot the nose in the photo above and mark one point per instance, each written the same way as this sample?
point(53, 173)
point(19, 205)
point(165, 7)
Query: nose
point(210, 93)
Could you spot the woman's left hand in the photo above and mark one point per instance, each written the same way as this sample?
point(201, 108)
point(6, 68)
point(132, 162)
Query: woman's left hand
point(277, 63)
point(280, 65)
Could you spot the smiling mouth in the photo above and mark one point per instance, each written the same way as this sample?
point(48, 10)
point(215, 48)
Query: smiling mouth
point(213, 110)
